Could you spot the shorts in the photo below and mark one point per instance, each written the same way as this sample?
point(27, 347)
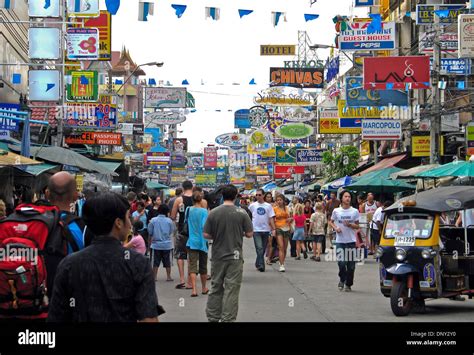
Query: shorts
point(194, 257)
point(318, 238)
point(374, 237)
point(299, 234)
point(159, 256)
point(284, 234)
point(181, 251)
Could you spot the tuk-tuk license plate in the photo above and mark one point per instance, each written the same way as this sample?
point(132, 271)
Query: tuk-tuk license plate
point(404, 241)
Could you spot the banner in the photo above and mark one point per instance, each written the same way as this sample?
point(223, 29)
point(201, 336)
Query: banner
point(373, 130)
point(161, 159)
point(299, 77)
point(165, 97)
point(425, 14)
point(210, 157)
point(420, 146)
point(92, 138)
point(104, 24)
point(91, 116)
point(83, 86)
point(381, 73)
point(466, 36)
point(357, 38)
point(307, 157)
point(82, 43)
point(5, 123)
point(278, 49)
point(332, 70)
point(356, 96)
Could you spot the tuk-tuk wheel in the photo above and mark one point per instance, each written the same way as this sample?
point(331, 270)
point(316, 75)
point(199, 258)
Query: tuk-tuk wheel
point(399, 301)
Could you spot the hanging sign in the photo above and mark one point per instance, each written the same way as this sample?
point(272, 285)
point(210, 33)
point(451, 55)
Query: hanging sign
point(83, 87)
point(294, 131)
point(420, 146)
point(277, 49)
point(260, 140)
point(104, 24)
point(283, 96)
point(425, 14)
point(356, 96)
point(373, 130)
point(233, 140)
point(160, 118)
point(82, 43)
point(165, 97)
point(91, 138)
point(303, 77)
point(357, 38)
point(298, 114)
point(466, 36)
point(307, 157)
point(83, 8)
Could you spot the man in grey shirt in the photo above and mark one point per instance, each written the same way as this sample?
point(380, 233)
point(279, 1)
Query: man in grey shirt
point(226, 225)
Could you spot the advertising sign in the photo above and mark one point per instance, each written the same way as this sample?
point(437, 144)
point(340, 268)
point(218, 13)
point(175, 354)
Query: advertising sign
point(308, 157)
point(178, 160)
point(206, 178)
point(125, 128)
point(357, 38)
point(233, 140)
point(450, 123)
point(356, 96)
point(261, 140)
point(210, 157)
point(420, 146)
point(95, 116)
point(165, 97)
point(357, 112)
point(425, 14)
point(448, 42)
point(155, 158)
point(339, 126)
point(411, 72)
point(470, 138)
point(104, 24)
point(299, 77)
point(197, 162)
point(359, 3)
point(278, 49)
point(138, 129)
point(298, 114)
point(82, 43)
point(454, 66)
point(294, 131)
point(91, 138)
point(83, 86)
point(373, 130)
point(5, 123)
point(285, 155)
point(180, 145)
point(242, 119)
point(160, 118)
point(83, 8)
point(286, 172)
point(466, 36)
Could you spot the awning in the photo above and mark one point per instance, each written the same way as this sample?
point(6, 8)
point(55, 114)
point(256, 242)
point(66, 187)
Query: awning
point(109, 165)
point(386, 163)
point(12, 159)
point(156, 186)
point(37, 170)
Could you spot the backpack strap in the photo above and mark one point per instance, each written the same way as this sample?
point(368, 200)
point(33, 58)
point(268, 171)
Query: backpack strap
point(64, 223)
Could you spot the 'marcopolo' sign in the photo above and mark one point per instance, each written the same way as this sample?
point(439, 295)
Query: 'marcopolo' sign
point(379, 129)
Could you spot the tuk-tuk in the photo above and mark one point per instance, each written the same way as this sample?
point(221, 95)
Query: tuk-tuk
point(419, 256)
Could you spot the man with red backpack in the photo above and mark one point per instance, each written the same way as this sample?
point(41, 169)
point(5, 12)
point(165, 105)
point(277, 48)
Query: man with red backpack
point(33, 241)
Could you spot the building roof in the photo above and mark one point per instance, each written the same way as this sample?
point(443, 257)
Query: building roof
point(118, 68)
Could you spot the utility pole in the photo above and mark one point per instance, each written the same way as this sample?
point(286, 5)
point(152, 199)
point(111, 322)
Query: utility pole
point(435, 102)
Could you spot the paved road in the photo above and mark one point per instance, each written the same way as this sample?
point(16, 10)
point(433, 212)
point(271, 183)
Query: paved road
point(306, 292)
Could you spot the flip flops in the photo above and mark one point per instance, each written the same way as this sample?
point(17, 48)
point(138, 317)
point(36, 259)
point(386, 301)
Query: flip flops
point(206, 292)
point(181, 286)
point(194, 294)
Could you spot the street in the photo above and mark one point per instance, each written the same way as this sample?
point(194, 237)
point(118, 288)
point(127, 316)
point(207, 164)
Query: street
point(306, 292)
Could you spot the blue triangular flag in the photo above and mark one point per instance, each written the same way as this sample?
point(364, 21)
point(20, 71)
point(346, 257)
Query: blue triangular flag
point(77, 5)
point(310, 17)
point(84, 80)
point(389, 86)
point(7, 4)
point(118, 82)
point(180, 9)
point(145, 9)
point(376, 24)
point(213, 12)
point(16, 79)
point(243, 13)
point(276, 17)
point(252, 82)
point(112, 6)
point(442, 13)
point(461, 85)
point(47, 4)
point(185, 82)
point(151, 82)
point(50, 86)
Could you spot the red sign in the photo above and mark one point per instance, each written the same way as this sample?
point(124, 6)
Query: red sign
point(210, 157)
point(382, 73)
point(92, 138)
point(286, 172)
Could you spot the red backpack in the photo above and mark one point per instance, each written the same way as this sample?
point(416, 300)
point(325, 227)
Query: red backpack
point(26, 236)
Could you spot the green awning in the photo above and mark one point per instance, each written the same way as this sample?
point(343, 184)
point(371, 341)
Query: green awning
point(156, 186)
point(37, 170)
point(109, 165)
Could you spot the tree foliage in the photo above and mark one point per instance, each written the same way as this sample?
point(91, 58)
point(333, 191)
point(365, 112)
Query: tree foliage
point(341, 163)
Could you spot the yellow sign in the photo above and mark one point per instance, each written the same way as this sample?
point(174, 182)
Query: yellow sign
point(270, 153)
point(420, 146)
point(79, 182)
point(365, 148)
point(277, 50)
point(332, 126)
point(357, 112)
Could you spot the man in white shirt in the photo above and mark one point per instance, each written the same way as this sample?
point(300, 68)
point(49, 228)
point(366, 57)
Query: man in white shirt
point(263, 220)
point(377, 224)
point(345, 221)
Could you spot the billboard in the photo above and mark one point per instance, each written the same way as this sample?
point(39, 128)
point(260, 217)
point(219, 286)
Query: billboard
point(412, 72)
point(83, 86)
point(373, 130)
point(466, 36)
point(165, 97)
point(82, 43)
point(308, 157)
point(357, 38)
point(158, 158)
point(210, 157)
point(420, 146)
point(278, 49)
point(356, 96)
point(299, 77)
point(104, 24)
point(94, 116)
point(425, 14)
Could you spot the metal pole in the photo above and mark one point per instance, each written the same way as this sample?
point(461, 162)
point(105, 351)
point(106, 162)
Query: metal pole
point(436, 108)
point(376, 155)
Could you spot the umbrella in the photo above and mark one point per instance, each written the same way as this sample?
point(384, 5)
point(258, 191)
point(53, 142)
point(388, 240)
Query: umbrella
point(336, 184)
point(456, 168)
point(383, 173)
point(25, 138)
point(269, 187)
point(380, 185)
point(156, 186)
point(65, 156)
point(411, 173)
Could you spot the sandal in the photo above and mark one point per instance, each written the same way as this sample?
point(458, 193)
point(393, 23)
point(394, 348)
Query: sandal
point(268, 262)
point(194, 294)
point(181, 286)
point(205, 292)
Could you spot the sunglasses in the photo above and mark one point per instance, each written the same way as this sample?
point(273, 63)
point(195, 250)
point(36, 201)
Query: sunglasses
point(258, 195)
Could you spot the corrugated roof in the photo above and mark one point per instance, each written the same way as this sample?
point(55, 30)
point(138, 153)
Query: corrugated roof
point(109, 165)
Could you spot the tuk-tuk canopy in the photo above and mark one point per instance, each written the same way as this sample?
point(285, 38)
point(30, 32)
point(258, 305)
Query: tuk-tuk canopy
point(442, 199)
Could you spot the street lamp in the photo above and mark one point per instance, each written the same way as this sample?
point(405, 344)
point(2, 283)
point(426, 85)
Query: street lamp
point(326, 46)
point(159, 65)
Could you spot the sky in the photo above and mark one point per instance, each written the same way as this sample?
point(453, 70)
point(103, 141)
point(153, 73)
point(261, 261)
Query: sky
point(214, 55)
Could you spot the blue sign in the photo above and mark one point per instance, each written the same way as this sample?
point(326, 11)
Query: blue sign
point(332, 69)
point(242, 119)
point(359, 3)
point(454, 66)
point(309, 156)
point(5, 123)
point(358, 97)
point(425, 14)
point(350, 123)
